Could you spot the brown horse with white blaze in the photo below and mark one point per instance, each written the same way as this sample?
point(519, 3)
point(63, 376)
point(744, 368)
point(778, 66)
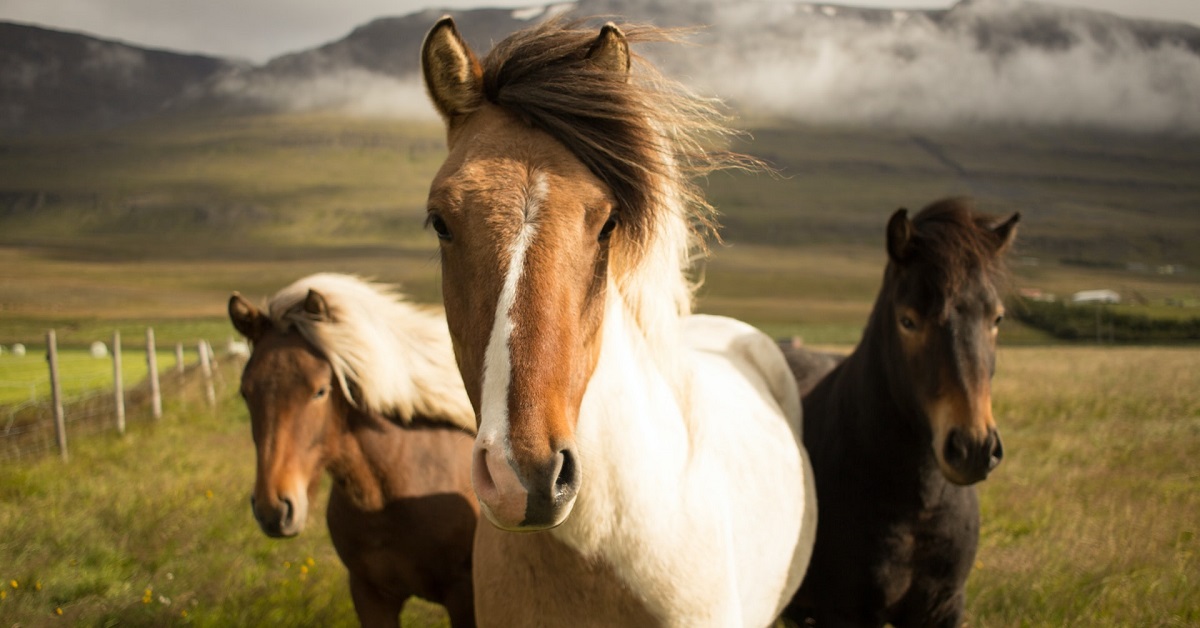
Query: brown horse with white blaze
point(347, 377)
point(901, 429)
point(639, 465)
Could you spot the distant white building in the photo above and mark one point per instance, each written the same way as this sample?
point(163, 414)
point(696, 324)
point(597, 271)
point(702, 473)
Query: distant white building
point(1096, 296)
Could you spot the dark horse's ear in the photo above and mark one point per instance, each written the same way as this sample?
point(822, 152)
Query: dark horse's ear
point(453, 76)
point(1006, 231)
point(246, 318)
point(316, 307)
point(899, 236)
point(610, 51)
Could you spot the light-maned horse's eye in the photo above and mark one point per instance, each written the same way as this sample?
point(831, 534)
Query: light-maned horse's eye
point(321, 392)
point(607, 229)
point(439, 227)
point(999, 319)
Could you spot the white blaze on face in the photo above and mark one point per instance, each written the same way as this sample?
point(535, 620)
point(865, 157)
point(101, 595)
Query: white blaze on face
point(497, 362)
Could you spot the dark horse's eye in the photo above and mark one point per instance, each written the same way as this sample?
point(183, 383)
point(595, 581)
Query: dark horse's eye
point(607, 229)
point(999, 319)
point(907, 323)
point(439, 226)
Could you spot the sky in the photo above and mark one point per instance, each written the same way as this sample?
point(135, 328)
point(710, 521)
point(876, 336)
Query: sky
point(258, 30)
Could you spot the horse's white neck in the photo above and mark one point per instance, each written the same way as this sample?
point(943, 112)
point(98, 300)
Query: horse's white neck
point(635, 450)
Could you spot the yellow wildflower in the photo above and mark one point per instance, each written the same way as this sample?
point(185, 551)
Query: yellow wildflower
point(37, 586)
point(13, 584)
point(303, 568)
point(3, 594)
point(58, 611)
point(310, 561)
point(208, 493)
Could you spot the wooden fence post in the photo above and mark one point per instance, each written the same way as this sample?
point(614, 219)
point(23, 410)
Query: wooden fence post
point(118, 383)
point(179, 358)
point(60, 427)
point(206, 367)
point(152, 363)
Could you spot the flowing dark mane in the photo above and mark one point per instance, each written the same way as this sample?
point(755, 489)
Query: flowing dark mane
point(645, 137)
point(957, 243)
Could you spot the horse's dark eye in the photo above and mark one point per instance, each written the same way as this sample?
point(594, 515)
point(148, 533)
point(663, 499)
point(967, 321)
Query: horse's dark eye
point(999, 319)
point(607, 229)
point(439, 226)
point(907, 323)
point(321, 392)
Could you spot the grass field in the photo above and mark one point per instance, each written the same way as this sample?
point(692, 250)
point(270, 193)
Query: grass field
point(1092, 520)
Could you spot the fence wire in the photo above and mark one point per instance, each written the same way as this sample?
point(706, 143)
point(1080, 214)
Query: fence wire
point(27, 428)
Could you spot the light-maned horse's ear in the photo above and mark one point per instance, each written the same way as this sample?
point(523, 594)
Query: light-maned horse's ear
point(316, 306)
point(1007, 231)
point(899, 236)
point(246, 318)
point(610, 51)
point(453, 76)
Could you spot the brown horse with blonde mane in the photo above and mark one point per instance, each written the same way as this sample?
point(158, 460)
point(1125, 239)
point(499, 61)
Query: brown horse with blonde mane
point(903, 427)
point(346, 376)
point(639, 465)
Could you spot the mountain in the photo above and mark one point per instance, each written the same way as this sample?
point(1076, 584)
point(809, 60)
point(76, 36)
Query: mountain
point(52, 80)
point(980, 61)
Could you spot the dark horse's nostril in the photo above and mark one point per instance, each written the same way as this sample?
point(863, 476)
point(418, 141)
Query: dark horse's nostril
point(567, 481)
point(997, 449)
point(955, 450)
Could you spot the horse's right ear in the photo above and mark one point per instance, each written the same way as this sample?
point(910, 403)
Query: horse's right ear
point(453, 76)
point(246, 318)
point(899, 236)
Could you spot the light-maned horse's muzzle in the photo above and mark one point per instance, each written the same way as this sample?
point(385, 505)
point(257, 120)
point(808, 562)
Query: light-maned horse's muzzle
point(282, 517)
point(538, 497)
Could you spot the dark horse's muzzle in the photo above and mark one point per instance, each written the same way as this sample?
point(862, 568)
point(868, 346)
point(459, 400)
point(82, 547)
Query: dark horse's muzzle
point(971, 460)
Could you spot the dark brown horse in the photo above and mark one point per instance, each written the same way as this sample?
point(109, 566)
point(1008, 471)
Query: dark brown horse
point(346, 377)
point(901, 429)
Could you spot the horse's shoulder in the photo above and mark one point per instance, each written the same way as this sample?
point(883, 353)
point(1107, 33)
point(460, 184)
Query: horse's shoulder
point(749, 347)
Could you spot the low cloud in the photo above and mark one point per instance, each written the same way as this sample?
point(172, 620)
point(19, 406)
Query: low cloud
point(1043, 68)
point(350, 90)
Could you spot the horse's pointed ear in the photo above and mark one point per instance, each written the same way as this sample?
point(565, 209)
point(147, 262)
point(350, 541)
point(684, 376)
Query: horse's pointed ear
point(899, 236)
point(453, 76)
point(246, 318)
point(1006, 231)
point(610, 51)
point(316, 306)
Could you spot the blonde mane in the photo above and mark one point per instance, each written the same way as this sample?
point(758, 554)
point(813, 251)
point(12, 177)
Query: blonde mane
point(647, 137)
point(389, 356)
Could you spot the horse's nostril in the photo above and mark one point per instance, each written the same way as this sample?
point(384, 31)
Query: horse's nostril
point(567, 481)
point(997, 450)
point(289, 511)
point(955, 450)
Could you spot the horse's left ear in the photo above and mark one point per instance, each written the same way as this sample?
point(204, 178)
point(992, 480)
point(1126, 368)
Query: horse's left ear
point(610, 51)
point(1006, 231)
point(316, 306)
point(453, 75)
point(246, 318)
point(899, 236)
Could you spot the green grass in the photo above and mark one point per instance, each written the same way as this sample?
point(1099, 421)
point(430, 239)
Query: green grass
point(27, 378)
point(163, 510)
point(1093, 519)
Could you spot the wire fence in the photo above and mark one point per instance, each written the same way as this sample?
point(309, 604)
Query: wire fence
point(30, 428)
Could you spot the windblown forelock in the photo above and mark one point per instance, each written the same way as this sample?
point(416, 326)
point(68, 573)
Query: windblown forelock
point(959, 242)
point(641, 137)
point(396, 355)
